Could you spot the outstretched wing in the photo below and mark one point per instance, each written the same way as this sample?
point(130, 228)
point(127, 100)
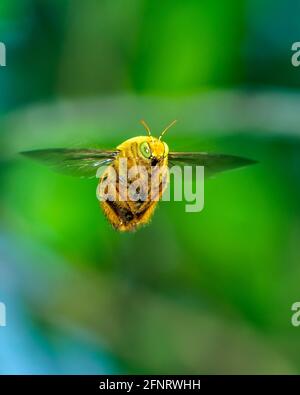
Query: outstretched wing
point(213, 163)
point(75, 162)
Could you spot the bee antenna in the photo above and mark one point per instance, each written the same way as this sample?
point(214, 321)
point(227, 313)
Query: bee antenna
point(168, 127)
point(146, 127)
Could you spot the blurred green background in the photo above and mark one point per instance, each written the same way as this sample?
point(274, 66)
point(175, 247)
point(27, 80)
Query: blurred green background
point(209, 292)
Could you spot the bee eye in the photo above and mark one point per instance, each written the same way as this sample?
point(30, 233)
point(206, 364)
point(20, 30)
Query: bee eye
point(145, 150)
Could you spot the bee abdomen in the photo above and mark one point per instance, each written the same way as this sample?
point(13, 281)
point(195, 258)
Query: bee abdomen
point(122, 212)
point(123, 219)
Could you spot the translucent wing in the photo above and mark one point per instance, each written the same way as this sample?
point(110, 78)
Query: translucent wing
point(75, 162)
point(213, 163)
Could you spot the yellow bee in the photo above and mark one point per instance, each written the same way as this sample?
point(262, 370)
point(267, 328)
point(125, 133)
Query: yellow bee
point(124, 211)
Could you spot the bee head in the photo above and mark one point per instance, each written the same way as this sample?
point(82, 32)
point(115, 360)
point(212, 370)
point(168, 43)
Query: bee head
point(153, 148)
point(149, 149)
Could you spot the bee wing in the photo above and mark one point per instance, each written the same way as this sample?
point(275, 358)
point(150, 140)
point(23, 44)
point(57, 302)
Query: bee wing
point(213, 163)
point(75, 162)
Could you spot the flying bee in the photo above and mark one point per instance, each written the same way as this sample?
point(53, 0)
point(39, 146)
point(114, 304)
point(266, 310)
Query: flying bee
point(125, 210)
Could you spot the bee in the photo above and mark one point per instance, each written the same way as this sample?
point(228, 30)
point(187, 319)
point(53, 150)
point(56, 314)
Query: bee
point(124, 211)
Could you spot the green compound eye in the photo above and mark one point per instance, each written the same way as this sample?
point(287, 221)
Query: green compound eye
point(145, 150)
